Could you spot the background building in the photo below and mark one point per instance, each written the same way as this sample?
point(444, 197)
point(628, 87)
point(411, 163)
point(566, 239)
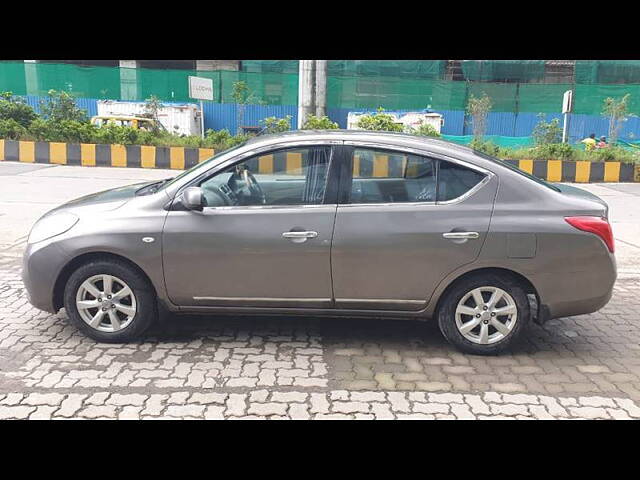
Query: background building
point(520, 90)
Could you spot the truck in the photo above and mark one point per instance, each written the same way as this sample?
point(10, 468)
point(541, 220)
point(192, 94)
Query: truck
point(177, 118)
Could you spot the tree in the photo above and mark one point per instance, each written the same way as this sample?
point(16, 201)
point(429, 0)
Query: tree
point(242, 96)
point(479, 108)
point(61, 106)
point(152, 106)
point(15, 111)
point(618, 112)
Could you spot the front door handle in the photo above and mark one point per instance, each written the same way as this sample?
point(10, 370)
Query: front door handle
point(299, 237)
point(461, 235)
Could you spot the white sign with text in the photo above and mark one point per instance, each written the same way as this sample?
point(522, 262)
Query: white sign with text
point(201, 88)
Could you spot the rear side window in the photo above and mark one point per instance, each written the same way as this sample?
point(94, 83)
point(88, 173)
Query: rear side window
point(455, 180)
point(388, 177)
point(381, 176)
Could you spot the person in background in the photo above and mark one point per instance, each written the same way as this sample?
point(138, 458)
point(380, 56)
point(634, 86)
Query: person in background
point(589, 142)
point(602, 143)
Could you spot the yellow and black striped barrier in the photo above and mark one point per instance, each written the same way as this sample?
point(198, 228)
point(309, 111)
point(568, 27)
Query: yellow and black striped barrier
point(93, 155)
point(145, 156)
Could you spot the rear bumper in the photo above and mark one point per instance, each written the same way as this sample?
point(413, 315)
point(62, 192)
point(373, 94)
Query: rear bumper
point(572, 293)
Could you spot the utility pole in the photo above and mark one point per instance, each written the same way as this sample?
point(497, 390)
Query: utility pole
point(321, 88)
point(306, 97)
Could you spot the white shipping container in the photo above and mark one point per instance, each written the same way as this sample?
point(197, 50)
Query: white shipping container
point(408, 119)
point(182, 119)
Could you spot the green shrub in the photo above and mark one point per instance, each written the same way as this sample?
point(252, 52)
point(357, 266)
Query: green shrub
point(319, 123)
point(277, 125)
point(424, 130)
point(62, 106)
point(11, 129)
point(487, 147)
point(14, 108)
point(547, 132)
point(553, 151)
point(379, 121)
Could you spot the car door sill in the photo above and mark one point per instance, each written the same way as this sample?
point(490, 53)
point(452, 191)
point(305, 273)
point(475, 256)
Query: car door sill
point(330, 312)
point(267, 302)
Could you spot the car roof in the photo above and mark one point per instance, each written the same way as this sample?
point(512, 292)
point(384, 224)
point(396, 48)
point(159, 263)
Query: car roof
point(357, 135)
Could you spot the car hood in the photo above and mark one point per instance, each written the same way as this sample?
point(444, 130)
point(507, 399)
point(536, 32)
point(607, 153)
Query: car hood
point(105, 200)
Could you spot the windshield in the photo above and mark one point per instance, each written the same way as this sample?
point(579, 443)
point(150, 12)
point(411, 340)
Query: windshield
point(516, 169)
point(202, 165)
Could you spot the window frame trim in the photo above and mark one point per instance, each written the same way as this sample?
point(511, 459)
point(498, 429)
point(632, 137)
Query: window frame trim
point(347, 184)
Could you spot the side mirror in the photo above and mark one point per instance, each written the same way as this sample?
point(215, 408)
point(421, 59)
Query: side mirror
point(193, 199)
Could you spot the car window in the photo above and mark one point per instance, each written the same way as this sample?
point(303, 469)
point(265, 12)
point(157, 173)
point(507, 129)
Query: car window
point(295, 176)
point(387, 177)
point(455, 180)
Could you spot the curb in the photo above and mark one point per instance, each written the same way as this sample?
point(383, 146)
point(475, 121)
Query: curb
point(179, 158)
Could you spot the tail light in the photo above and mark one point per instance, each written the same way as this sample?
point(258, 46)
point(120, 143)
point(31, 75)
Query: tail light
point(598, 225)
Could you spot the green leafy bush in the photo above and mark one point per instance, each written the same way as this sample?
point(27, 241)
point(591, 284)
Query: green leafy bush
point(14, 108)
point(487, 147)
point(547, 132)
point(319, 123)
point(61, 106)
point(11, 129)
point(424, 130)
point(379, 121)
point(277, 125)
point(553, 151)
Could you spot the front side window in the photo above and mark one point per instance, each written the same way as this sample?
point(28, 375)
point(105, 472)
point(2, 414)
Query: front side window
point(388, 177)
point(295, 176)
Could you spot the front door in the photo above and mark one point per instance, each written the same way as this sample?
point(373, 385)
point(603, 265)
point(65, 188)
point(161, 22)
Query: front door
point(406, 222)
point(264, 239)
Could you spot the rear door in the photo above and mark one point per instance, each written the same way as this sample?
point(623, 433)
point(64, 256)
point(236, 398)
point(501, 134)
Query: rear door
point(405, 220)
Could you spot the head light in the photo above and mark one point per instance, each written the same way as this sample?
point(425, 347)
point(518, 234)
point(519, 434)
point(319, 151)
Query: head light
point(52, 225)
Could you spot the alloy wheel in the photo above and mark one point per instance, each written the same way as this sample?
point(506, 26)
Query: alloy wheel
point(486, 315)
point(106, 303)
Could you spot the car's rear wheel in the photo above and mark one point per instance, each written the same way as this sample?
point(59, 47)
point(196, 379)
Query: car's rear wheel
point(110, 301)
point(484, 314)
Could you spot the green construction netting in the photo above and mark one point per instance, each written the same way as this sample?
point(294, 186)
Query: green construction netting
point(541, 98)
point(588, 99)
point(270, 66)
point(607, 71)
point(433, 69)
point(503, 95)
point(267, 88)
point(503, 70)
point(359, 86)
point(501, 141)
point(394, 93)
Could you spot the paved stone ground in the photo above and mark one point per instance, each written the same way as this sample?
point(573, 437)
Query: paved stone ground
point(301, 368)
point(239, 367)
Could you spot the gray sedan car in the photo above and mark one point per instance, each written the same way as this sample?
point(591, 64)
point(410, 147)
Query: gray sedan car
point(330, 223)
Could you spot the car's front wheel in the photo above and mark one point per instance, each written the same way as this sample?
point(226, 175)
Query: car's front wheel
point(110, 301)
point(484, 314)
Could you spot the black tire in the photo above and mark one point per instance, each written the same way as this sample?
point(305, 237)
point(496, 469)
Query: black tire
point(146, 309)
point(447, 309)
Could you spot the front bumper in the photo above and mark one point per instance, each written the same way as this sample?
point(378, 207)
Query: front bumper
point(42, 262)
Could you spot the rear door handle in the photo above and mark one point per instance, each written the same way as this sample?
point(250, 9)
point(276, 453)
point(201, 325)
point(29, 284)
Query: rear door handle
point(299, 236)
point(461, 235)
